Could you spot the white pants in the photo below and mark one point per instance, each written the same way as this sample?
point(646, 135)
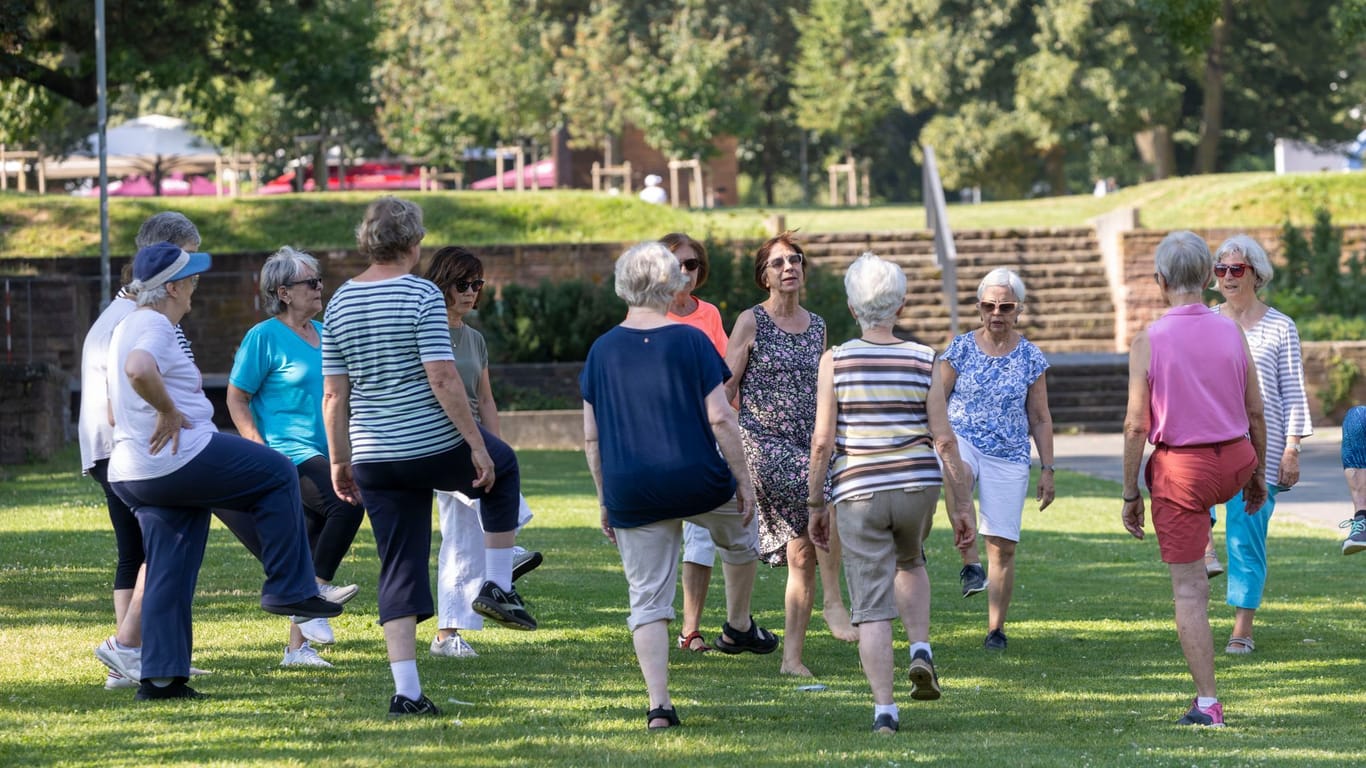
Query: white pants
point(1001, 489)
point(460, 563)
point(698, 547)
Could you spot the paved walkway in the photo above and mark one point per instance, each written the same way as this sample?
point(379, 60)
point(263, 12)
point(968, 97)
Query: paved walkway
point(1320, 499)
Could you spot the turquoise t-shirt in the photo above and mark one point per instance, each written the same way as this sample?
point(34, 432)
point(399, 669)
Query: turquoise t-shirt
point(284, 376)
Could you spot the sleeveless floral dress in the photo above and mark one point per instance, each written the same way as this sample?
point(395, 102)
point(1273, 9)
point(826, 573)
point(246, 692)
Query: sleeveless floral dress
point(777, 417)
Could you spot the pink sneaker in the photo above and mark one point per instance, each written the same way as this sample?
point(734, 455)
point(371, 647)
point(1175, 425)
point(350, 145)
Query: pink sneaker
point(1210, 717)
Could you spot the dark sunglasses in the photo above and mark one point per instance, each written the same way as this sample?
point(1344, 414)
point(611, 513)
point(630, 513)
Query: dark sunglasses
point(691, 264)
point(1236, 270)
point(795, 259)
point(990, 307)
point(464, 285)
point(312, 282)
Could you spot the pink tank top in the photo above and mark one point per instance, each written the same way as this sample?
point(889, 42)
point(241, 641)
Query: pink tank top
point(1197, 378)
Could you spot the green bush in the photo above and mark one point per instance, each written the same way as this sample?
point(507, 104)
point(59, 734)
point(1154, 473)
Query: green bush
point(550, 323)
point(1324, 295)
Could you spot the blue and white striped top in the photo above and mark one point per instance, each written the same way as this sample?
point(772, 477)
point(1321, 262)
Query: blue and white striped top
point(379, 334)
point(1275, 345)
point(882, 428)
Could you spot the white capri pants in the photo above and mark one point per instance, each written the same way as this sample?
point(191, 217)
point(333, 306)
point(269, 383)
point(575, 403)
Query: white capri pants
point(1001, 489)
point(460, 562)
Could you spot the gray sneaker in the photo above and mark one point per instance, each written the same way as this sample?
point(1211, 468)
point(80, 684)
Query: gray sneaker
point(1356, 537)
point(125, 661)
point(974, 579)
point(454, 647)
point(338, 594)
point(524, 561)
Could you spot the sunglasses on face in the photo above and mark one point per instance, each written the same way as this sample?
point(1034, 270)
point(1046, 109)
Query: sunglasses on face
point(312, 282)
point(795, 259)
point(1236, 270)
point(1005, 307)
point(464, 285)
point(691, 265)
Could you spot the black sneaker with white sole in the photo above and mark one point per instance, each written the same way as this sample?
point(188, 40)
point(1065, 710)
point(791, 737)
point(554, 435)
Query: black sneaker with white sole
point(148, 691)
point(504, 607)
point(525, 562)
point(973, 578)
point(402, 706)
point(309, 608)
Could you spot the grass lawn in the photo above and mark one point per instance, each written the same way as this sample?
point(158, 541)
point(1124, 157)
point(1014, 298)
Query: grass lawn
point(1093, 675)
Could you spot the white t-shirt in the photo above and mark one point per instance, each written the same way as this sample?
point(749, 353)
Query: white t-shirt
point(134, 419)
point(655, 194)
point(95, 433)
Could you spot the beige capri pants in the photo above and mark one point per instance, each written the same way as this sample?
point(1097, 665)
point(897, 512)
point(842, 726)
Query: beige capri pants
point(883, 532)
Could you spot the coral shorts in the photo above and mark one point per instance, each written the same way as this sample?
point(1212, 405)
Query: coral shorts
point(1185, 481)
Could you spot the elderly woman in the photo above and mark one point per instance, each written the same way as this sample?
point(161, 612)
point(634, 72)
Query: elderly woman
point(399, 427)
point(880, 410)
point(1242, 269)
point(170, 466)
point(1193, 393)
point(699, 552)
point(774, 354)
point(460, 564)
point(655, 411)
point(998, 399)
point(275, 394)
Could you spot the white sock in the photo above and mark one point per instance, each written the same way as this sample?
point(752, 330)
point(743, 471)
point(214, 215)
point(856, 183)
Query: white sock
point(886, 709)
point(406, 682)
point(498, 567)
point(1205, 702)
point(160, 682)
point(922, 647)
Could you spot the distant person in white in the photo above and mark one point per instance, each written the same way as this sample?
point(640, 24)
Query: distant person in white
point(653, 192)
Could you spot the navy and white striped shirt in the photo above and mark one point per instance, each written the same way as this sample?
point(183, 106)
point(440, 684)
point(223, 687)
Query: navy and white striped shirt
point(380, 334)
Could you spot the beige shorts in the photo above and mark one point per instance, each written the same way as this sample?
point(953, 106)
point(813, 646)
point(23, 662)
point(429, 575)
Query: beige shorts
point(882, 533)
point(649, 556)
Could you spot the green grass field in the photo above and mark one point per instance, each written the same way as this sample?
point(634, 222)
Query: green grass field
point(41, 227)
point(1093, 676)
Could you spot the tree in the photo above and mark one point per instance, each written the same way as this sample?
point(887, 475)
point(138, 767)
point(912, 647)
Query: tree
point(842, 86)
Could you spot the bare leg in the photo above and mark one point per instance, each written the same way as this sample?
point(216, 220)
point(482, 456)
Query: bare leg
point(1356, 485)
point(121, 599)
point(801, 593)
point(696, 583)
point(1242, 622)
point(913, 603)
point(832, 595)
point(652, 652)
point(130, 626)
point(1001, 554)
point(875, 652)
point(296, 636)
point(739, 590)
point(1190, 587)
point(400, 638)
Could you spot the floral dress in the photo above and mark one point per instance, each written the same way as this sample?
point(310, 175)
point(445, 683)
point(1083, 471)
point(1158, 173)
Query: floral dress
point(777, 417)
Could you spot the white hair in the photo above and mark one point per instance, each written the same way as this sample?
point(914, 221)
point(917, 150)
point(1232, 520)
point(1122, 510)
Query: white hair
point(876, 289)
point(1184, 261)
point(283, 266)
point(150, 297)
point(1252, 251)
point(1002, 276)
point(647, 275)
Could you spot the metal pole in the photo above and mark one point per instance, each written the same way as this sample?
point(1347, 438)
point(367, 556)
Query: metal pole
point(102, 118)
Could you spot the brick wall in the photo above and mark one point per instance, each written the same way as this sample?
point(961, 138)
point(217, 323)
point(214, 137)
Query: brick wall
point(33, 412)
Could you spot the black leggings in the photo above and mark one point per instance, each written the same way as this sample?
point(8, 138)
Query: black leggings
point(127, 531)
point(331, 522)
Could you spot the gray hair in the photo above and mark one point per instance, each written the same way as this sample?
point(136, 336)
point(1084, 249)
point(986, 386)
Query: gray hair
point(647, 275)
point(1252, 251)
point(282, 267)
point(391, 227)
point(150, 297)
point(1184, 261)
point(169, 227)
point(1006, 277)
point(876, 289)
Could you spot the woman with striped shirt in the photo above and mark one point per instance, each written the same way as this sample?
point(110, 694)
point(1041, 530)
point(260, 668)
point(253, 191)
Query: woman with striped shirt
point(1241, 269)
point(880, 410)
point(399, 427)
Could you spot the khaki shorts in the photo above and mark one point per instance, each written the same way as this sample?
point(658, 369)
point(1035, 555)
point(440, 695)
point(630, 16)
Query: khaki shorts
point(649, 556)
point(882, 533)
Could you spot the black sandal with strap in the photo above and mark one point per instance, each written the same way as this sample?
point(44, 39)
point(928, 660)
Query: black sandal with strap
point(756, 640)
point(660, 713)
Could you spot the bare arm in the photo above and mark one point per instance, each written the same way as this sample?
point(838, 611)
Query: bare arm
point(239, 408)
point(1041, 428)
point(725, 427)
point(590, 452)
point(737, 353)
point(1135, 433)
point(450, 392)
point(488, 409)
point(1254, 493)
point(337, 424)
point(145, 377)
point(822, 447)
point(958, 480)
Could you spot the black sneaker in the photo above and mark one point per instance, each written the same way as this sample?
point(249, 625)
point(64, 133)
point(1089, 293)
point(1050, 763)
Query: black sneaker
point(525, 562)
point(996, 641)
point(885, 724)
point(309, 608)
point(176, 690)
point(1356, 538)
point(974, 579)
point(924, 682)
point(504, 607)
point(402, 706)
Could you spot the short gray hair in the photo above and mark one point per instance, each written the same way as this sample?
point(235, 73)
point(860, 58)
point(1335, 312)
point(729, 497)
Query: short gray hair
point(1252, 251)
point(169, 227)
point(1184, 261)
point(151, 297)
point(282, 267)
point(1006, 277)
point(647, 275)
point(876, 289)
point(391, 227)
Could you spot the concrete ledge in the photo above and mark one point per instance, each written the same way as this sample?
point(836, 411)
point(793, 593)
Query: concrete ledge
point(543, 430)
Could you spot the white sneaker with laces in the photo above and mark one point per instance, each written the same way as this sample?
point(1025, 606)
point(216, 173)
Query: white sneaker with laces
point(114, 681)
point(125, 661)
point(303, 656)
point(338, 594)
point(454, 646)
point(317, 631)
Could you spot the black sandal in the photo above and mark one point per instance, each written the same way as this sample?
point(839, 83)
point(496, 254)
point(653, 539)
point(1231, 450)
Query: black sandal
point(660, 713)
point(756, 640)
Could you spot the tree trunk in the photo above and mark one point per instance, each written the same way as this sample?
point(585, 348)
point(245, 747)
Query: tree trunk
point(1156, 150)
point(1055, 170)
point(321, 172)
point(1212, 114)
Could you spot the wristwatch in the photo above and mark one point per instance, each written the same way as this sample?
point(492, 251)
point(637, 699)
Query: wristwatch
point(1293, 446)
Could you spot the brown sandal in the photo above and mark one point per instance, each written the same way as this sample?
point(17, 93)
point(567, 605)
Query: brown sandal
point(686, 642)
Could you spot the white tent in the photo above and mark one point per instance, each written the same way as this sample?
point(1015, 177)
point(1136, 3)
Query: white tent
point(151, 145)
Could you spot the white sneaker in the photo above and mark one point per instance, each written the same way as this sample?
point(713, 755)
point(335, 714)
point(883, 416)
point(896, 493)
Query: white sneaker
point(125, 661)
point(196, 672)
point(115, 681)
point(335, 594)
point(317, 631)
point(303, 656)
point(454, 646)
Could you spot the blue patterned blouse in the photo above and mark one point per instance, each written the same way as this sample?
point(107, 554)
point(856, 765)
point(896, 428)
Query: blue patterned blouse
point(987, 405)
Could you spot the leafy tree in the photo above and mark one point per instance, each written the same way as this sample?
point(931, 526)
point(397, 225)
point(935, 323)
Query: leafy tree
point(588, 69)
point(842, 83)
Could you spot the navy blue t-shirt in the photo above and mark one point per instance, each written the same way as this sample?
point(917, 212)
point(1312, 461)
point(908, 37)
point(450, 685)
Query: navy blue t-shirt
point(648, 389)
